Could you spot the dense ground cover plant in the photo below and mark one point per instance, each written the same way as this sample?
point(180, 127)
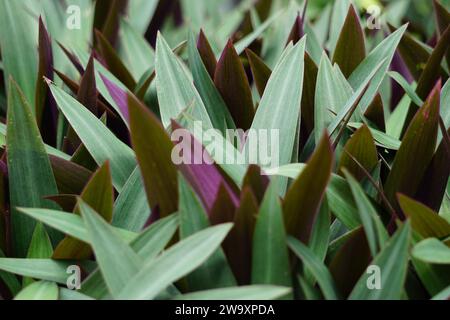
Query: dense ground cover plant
point(98, 96)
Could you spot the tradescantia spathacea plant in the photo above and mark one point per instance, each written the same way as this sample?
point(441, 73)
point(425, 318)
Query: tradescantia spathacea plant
point(131, 137)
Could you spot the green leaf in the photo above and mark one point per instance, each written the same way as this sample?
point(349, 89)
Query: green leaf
point(72, 295)
point(320, 236)
point(10, 280)
point(250, 38)
point(241, 293)
point(43, 269)
point(147, 245)
point(409, 89)
point(175, 263)
point(215, 272)
point(131, 209)
point(134, 50)
point(444, 295)
point(30, 173)
point(140, 13)
point(42, 290)
point(383, 55)
point(270, 259)
point(279, 108)
point(393, 263)
point(350, 48)
point(40, 248)
point(330, 96)
point(316, 267)
point(381, 139)
point(100, 142)
point(354, 101)
point(153, 149)
point(432, 251)
point(214, 104)
point(117, 270)
point(373, 226)
point(18, 40)
point(176, 92)
point(424, 221)
point(303, 199)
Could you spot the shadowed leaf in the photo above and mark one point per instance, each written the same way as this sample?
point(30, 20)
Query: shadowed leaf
point(393, 263)
point(238, 244)
point(303, 199)
point(350, 262)
point(98, 194)
point(207, 54)
point(153, 149)
point(418, 143)
point(215, 106)
point(361, 147)
point(261, 72)
point(45, 108)
point(232, 83)
point(114, 63)
point(424, 220)
point(350, 49)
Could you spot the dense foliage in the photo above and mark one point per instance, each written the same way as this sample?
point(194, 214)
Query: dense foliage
point(354, 204)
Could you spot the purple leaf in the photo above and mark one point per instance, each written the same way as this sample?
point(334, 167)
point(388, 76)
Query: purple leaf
point(203, 176)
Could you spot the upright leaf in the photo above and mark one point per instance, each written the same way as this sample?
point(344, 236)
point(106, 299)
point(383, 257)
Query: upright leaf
point(215, 106)
point(361, 147)
point(18, 40)
point(215, 272)
point(30, 173)
point(270, 260)
point(350, 261)
point(261, 72)
point(113, 61)
point(45, 108)
point(376, 233)
point(383, 54)
point(419, 143)
point(393, 264)
point(100, 142)
point(232, 83)
point(131, 209)
point(303, 199)
point(176, 92)
point(316, 267)
point(153, 149)
point(279, 108)
point(207, 54)
point(350, 48)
